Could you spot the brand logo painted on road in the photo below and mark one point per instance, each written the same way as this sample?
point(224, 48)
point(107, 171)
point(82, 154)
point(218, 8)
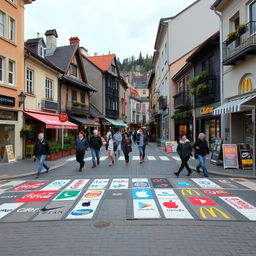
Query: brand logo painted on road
point(68, 195)
point(29, 186)
point(216, 192)
point(81, 212)
point(202, 201)
point(165, 193)
point(36, 196)
point(183, 183)
point(140, 183)
point(190, 192)
point(150, 211)
point(28, 210)
point(142, 194)
point(160, 183)
point(99, 184)
point(205, 183)
point(56, 185)
point(213, 212)
point(77, 184)
point(119, 184)
point(6, 209)
point(143, 205)
point(93, 194)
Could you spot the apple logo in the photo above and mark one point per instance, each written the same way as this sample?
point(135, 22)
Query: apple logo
point(170, 204)
point(142, 193)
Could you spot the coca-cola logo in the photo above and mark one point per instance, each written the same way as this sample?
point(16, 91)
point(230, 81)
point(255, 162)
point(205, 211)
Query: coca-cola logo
point(76, 185)
point(37, 196)
point(29, 186)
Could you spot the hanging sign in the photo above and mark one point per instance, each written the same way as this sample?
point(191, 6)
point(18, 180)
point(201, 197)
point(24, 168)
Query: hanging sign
point(245, 156)
point(230, 159)
point(63, 117)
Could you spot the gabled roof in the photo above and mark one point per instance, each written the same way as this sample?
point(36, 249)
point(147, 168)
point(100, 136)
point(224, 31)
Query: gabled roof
point(35, 41)
point(215, 4)
point(62, 56)
point(103, 62)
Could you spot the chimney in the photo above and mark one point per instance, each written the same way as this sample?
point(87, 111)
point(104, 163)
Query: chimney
point(51, 41)
point(74, 40)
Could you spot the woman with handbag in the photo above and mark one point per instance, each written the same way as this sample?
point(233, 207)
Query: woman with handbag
point(126, 146)
point(184, 150)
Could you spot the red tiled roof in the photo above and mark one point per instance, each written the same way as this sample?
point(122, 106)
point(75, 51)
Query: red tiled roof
point(103, 61)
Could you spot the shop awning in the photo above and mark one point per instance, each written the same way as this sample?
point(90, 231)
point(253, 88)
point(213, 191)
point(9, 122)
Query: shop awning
point(117, 123)
point(85, 121)
point(51, 120)
point(235, 105)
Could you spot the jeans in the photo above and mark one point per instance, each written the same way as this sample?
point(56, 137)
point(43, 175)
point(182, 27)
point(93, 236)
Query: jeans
point(95, 154)
point(118, 149)
point(41, 164)
point(80, 159)
point(202, 159)
point(142, 150)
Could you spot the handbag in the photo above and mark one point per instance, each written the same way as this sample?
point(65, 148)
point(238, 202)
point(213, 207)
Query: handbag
point(196, 154)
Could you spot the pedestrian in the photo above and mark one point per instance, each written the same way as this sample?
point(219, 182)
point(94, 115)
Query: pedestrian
point(142, 141)
point(134, 136)
point(184, 150)
point(81, 145)
point(95, 145)
point(126, 146)
point(108, 133)
point(110, 149)
point(201, 150)
point(41, 150)
point(117, 143)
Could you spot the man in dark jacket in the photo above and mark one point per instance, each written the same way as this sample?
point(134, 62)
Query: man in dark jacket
point(184, 150)
point(202, 149)
point(95, 144)
point(142, 141)
point(81, 145)
point(41, 150)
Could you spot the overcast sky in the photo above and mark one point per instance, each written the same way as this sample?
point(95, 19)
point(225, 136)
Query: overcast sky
point(123, 27)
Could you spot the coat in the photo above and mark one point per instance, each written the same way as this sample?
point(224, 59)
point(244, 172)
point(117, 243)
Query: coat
point(184, 149)
point(203, 147)
point(81, 145)
point(41, 148)
point(95, 142)
point(145, 139)
point(127, 146)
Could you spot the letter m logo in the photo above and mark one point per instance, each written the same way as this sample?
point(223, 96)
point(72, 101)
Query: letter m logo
point(213, 212)
point(189, 192)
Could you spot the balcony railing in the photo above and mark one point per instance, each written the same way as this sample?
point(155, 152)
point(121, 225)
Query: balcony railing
point(244, 44)
point(112, 113)
point(182, 100)
point(78, 109)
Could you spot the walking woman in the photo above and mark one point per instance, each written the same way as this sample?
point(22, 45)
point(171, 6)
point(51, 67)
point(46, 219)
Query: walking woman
point(126, 146)
point(110, 149)
point(81, 145)
point(184, 150)
point(201, 150)
point(142, 141)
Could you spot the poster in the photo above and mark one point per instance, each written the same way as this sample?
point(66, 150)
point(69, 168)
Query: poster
point(216, 152)
point(245, 156)
point(230, 157)
point(171, 146)
point(163, 141)
point(9, 153)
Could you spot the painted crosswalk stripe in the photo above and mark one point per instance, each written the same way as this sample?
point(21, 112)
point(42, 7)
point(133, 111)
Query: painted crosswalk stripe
point(88, 158)
point(246, 183)
point(176, 158)
point(71, 159)
point(102, 158)
point(135, 158)
point(151, 158)
point(121, 158)
point(164, 158)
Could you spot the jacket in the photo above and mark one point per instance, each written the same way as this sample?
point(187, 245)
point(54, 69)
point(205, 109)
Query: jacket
point(203, 147)
point(41, 148)
point(81, 145)
point(184, 149)
point(95, 142)
point(127, 146)
point(145, 139)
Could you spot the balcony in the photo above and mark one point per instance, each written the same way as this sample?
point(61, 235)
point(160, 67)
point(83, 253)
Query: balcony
point(182, 100)
point(78, 109)
point(244, 44)
point(112, 113)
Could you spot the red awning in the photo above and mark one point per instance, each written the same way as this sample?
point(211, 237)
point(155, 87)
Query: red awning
point(51, 120)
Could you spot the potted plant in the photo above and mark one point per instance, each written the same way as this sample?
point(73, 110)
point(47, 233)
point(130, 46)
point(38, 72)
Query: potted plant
point(66, 150)
point(75, 103)
point(55, 149)
point(241, 29)
point(193, 91)
point(232, 36)
point(201, 88)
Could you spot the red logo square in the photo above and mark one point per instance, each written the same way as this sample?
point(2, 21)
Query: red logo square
point(202, 201)
point(37, 196)
point(216, 192)
point(29, 186)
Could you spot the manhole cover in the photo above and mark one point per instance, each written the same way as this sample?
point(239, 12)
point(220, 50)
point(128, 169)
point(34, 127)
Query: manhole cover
point(102, 224)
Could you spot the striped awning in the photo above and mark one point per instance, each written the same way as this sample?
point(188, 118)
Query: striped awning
point(234, 105)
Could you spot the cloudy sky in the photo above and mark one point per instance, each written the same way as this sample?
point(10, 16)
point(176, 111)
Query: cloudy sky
point(124, 27)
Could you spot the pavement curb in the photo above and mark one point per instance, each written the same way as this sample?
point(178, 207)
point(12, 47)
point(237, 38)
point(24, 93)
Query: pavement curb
point(31, 173)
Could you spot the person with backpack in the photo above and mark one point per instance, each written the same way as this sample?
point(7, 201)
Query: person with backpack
point(184, 150)
point(81, 145)
point(126, 146)
point(201, 150)
point(95, 145)
point(41, 150)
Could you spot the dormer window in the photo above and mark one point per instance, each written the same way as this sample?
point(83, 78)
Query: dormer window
point(73, 70)
point(113, 68)
point(40, 51)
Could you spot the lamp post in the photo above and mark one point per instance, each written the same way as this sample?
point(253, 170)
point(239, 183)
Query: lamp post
point(22, 98)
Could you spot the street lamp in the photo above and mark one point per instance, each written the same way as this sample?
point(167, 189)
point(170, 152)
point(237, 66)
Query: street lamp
point(22, 97)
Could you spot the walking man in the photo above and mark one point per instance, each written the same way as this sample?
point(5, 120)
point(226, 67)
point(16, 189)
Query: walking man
point(95, 144)
point(142, 141)
point(184, 150)
point(117, 143)
point(202, 149)
point(81, 145)
point(41, 150)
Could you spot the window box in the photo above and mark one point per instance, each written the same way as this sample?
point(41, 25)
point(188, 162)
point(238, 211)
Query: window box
point(231, 37)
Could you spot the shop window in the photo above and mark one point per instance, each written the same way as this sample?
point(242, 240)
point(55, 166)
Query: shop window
point(29, 80)
point(1, 69)
point(246, 85)
point(2, 23)
point(11, 29)
point(7, 137)
point(48, 89)
point(11, 72)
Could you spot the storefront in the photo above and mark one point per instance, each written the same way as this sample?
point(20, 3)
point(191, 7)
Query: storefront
point(111, 124)
point(183, 126)
point(207, 123)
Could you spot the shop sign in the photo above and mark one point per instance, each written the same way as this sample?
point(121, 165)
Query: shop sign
point(245, 156)
point(96, 119)
point(8, 115)
point(206, 110)
point(63, 117)
point(171, 146)
point(7, 100)
point(50, 105)
point(216, 153)
point(230, 157)
point(9, 153)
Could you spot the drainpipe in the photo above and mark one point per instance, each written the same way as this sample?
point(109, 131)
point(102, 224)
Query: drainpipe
point(223, 133)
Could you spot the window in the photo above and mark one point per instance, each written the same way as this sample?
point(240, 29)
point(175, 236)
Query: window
point(11, 72)
point(83, 97)
point(11, 28)
point(13, 1)
point(48, 89)
point(29, 82)
point(73, 69)
point(252, 14)
point(41, 51)
point(74, 96)
point(1, 69)
point(2, 17)
point(113, 68)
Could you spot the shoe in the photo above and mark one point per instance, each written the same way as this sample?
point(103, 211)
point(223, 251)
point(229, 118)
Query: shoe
point(141, 161)
point(206, 175)
point(93, 166)
point(198, 169)
point(189, 173)
point(177, 174)
point(98, 161)
point(47, 170)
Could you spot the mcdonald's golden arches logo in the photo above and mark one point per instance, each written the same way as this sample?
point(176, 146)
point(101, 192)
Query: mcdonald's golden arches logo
point(212, 211)
point(189, 192)
point(246, 85)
